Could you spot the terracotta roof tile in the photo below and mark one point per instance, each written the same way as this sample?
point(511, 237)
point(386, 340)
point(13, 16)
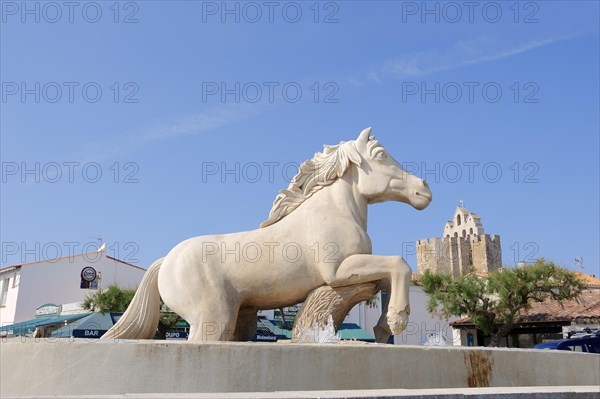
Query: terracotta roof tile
point(587, 307)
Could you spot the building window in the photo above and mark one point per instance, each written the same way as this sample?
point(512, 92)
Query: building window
point(471, 230)
point(464, 233)
point(4, 291)
point(458, 220)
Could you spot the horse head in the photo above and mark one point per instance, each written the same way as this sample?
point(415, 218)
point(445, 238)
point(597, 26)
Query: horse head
point(365, 164)
point(379, 177)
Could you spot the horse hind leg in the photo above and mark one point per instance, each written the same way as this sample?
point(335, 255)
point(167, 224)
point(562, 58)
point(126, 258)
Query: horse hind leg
point(215, 322)
point(245, 328)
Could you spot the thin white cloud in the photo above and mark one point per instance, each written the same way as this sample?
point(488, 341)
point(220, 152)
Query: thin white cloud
point(212, 118)
point(510, 52)
point(202, 122)
point(460, 54)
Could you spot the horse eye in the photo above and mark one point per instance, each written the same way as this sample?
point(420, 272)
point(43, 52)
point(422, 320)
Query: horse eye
point(380, 155)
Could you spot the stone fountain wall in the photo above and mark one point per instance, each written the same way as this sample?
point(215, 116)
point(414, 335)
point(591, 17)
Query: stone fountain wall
point(105, 367)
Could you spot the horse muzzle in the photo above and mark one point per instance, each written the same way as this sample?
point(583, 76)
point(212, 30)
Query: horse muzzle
point(422, 197)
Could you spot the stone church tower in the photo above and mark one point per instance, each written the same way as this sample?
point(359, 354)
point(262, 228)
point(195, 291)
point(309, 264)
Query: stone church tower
point(463, 248)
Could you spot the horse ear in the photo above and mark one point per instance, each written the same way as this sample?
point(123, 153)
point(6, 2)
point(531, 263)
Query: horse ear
point(363, 137)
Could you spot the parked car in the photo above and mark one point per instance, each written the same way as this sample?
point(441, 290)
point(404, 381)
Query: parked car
point(585, 345)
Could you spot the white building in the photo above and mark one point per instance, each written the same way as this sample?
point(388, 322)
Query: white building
point(24, 288)
point(421, 325)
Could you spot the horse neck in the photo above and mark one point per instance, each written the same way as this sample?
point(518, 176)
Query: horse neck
point(343, 197)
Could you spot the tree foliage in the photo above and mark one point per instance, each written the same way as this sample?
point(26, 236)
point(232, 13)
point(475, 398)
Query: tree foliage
point(117, 299)
point(112, 299)
point(496, 302)
point(168, 320)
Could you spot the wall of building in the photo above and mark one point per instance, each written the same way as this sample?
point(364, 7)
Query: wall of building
point(466, 337)
point(464, 262)
point(421, 323)
point(59, 282)
point(463, 248)
point(458, 255)
point(364, 316)
point(436, 254)
point(463, 223)
point(487, 253)
point(10, 282)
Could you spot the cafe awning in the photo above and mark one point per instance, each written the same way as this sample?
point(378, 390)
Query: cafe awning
point(27, 327)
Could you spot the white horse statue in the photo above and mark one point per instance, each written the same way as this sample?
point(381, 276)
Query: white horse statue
point(316, 234)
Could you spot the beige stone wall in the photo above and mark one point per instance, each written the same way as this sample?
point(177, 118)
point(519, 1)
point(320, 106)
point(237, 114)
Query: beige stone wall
point(494, 252)
point(458, 255)
point(465, 261)
point(434, 254)
point(452, 255)
point(479, 251)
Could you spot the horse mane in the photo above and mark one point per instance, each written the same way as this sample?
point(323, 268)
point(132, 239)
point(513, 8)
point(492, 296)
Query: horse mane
point(314, 174)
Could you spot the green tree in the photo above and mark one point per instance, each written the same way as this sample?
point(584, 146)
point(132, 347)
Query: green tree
point(496, 302)
point(168, 320)
point(117, 299)
point(112, 299)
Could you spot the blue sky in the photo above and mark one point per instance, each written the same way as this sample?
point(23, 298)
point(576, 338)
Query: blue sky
point(495, 105)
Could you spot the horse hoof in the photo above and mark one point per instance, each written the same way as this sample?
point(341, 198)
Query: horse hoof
point(397, 321)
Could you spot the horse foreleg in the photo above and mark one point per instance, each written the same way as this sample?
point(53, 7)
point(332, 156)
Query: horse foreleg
point(357, 269)
point(382, 330)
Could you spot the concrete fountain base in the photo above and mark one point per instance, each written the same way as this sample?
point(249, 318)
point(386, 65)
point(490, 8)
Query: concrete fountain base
point(101, 367)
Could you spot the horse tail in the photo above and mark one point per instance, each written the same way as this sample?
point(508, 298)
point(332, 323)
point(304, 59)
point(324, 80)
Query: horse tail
point(141, 317)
